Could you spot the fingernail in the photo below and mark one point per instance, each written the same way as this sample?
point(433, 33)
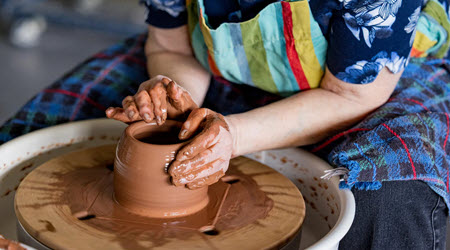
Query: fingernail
point(164, 110)
point(131, 114)
point(147, 117)
point(158, 120)
point(110, 111)
point(183, 134)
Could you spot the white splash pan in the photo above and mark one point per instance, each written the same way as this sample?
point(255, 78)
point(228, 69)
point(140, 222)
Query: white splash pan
point(329, 211)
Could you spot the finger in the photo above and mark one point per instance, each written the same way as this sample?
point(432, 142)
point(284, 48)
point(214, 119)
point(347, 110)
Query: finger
point(117, 114)
point(194, 174)
point(179, 167)
point(158, 95)
point(205, 181)
point(180, 98)
point(178, 182)
point(203, 171)
point(193, 122)
point(200, 143)
point(165, 81)
point(145, 106)
point(130, 107)
point(174, 92)
point(164, 108)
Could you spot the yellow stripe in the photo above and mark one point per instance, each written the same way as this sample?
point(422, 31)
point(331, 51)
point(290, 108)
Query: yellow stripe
point(303, 44)
point(205, 31)
point(422, 43)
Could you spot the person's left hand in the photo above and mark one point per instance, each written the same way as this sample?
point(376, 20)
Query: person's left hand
point(205, 159)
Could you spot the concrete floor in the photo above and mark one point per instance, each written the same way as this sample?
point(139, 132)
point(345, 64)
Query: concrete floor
point(23, 72)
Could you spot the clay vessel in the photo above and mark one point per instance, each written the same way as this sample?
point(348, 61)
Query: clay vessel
point(141, 182)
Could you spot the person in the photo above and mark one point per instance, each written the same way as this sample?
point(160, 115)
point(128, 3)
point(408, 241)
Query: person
point(259, 74)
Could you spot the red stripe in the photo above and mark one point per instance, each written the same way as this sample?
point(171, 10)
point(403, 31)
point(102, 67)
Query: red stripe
point(212, 66)
point(103, 74)
point(447, 180)
point(292, 55)
point(417, 102)
point(406, 148)
point(69, 93)
point(411, 100)
point(127, 57)
point(446, 137)
point(337, 137)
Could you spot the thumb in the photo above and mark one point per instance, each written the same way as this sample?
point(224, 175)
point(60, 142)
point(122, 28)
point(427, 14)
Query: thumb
point(193, 122)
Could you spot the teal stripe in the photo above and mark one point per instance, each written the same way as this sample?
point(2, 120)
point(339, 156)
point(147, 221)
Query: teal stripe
point(275, 47)
point(224, 55)
point(318, 40)
point(199, 47)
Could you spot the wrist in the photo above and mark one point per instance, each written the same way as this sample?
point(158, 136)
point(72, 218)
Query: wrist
point(232, 121)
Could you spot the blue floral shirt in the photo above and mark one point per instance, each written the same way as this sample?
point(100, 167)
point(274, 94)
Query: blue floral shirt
point(364, 36)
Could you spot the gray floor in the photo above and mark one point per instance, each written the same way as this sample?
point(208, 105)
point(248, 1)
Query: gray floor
point(23, 72)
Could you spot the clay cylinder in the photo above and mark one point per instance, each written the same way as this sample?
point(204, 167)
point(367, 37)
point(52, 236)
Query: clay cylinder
point(141, 183)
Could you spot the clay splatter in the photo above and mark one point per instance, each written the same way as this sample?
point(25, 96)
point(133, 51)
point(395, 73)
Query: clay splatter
point(48, 225)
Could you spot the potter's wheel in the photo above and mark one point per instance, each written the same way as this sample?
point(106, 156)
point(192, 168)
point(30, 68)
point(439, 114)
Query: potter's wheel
point(45, 209)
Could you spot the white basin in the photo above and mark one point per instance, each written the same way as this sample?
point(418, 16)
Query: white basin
point(329, 211)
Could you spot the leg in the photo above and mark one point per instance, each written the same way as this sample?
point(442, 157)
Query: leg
point(400, 215)
point(84, 93)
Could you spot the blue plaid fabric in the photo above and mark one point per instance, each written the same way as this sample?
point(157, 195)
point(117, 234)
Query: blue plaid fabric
point(405, 139)
point(85, 92)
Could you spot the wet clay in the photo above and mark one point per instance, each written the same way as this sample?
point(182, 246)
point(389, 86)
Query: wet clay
point(205, 159)
point(10, 245)
point(75, 199)
point(141, 182)
point(231, 206)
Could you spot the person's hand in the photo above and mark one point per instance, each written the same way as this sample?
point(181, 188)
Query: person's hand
point(157, 99)
point(205, 159)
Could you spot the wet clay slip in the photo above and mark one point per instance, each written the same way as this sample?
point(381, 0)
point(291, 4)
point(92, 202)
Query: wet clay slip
point(141, 182)
point(68, 202)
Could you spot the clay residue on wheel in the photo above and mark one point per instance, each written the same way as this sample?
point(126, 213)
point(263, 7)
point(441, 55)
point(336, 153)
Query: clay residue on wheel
point(90, 190)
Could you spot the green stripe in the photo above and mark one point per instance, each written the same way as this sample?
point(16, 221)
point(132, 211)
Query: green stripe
point(256, 55)
point(192, 16)
point(437, 11)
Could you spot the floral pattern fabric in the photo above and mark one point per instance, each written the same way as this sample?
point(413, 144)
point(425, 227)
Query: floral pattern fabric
point(364, 36)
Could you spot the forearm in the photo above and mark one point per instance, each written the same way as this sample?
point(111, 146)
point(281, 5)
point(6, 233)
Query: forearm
point(176, 61)
point(305, 118)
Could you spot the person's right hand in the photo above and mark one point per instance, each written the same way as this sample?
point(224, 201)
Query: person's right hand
point(157, 99)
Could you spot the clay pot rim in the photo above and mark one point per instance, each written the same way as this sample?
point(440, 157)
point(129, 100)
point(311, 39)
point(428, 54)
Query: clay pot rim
point(130, 131)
